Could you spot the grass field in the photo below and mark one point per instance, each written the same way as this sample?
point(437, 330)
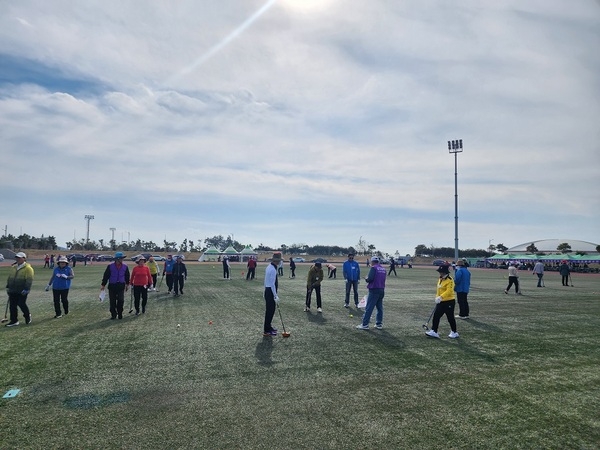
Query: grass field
point(525, 372)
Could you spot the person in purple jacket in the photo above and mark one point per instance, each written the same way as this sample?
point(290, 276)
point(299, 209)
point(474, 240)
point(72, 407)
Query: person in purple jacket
point(117, 277)
point(376, 286)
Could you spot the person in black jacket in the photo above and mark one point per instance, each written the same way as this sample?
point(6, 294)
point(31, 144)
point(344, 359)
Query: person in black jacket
point(179, 275)
point(292, 268)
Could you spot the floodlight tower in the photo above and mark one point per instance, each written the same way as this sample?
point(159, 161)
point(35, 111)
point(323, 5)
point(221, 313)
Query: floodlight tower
point(455, 147)
point(113, 233)
point(88, 218)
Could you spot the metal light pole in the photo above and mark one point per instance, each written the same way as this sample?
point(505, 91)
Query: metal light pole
point(88, 218)
point(455, 147)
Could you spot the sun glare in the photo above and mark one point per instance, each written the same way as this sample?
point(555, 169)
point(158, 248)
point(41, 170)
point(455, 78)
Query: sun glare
point(307, 5)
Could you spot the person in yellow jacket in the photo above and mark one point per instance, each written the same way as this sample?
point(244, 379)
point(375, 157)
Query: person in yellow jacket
point(153, 271)
point(18, 286)
point(445, 301)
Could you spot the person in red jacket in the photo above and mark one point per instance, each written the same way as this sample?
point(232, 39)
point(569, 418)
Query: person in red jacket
point(141, 280)
point(251, 269)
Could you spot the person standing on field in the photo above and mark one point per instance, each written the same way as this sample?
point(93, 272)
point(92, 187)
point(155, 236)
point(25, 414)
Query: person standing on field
point(445, 302)
point(226, 273)
point(393, 265)
point(376, 286)
point(538, 269)
point(292, 268)
point(141, 280)
point(153, 271)
point(513, 278)
point(117, 276)
point(168, 271)
point(60, 281)
point(313, 283)
point(462, 284)
point(564, 273)
point(179, 275)
point(18, 285)
point(271, 298)
point(351, 272)
point(251, 266)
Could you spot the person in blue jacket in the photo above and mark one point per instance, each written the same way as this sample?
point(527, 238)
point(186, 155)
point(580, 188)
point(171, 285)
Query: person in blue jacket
point(462, 284)
point(60, 281)
point(351, 272)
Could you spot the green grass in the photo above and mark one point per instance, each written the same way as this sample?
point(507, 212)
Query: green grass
point(524, 373)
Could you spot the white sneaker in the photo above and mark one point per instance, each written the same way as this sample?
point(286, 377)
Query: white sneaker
point(453, 335)
point(306, 309)
point(432, 334)
point(362, 327)
point(379, 327)
point(319, 310)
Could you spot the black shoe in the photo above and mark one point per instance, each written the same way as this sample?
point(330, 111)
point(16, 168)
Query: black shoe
point(137, 313)
point(113, 317)
point(12, 324)
point(120, 316)
point(28, 319)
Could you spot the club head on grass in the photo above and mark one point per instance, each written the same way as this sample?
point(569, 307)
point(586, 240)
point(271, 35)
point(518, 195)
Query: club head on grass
point(285, 334)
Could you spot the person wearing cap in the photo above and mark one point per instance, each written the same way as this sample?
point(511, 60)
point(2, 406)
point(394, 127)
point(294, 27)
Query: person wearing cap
point(538, 270)
point(445, 302)
point(141, 280)
point(60, 281)
point(179, 275)
point(271, 298)
point(564, 272)
point(331, 271)
point(513, 277)
point(168, 271)
point(117, 276)
point(151, 264)
point(376, 286)
point(351, 272)
point(462, 284)
point(18, 286)
point(313, 283)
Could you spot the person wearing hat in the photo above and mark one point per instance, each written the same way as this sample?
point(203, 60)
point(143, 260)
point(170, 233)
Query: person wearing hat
point(376, 286)
point(141, 280)
point(313, 283)
point(462, 284)
point(61, 283)
point(351, 272)
point(168, 270)
point(18, 286)
point(513, 277)
point(445, 302)
point(271, 298)
point(117, 276)
point(179, 275)
point(153, 271)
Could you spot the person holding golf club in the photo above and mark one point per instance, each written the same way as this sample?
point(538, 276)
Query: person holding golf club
point(153, 271)
point(376, 286)
point(351, 271)
point(251, 266)
point(179, 275)
point(313, 283)
point(117, 276)
point(564, 272)
point(462, 284)
point(271, 298)
point(445, 302)
point(168, 271)
point(538, 270)
point(513, 278)
point(60, 281)
point(141, 279)
point(18, 285)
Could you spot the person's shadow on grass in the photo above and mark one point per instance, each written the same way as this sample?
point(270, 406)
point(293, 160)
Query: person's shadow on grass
point(263, 352)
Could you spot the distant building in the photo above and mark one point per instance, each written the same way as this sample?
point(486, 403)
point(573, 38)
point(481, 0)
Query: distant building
point(550, 245)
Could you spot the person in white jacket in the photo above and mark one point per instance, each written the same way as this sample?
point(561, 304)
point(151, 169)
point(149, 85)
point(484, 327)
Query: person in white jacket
point(513, 278)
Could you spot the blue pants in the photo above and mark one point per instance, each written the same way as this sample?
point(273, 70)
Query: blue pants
point(374, 300)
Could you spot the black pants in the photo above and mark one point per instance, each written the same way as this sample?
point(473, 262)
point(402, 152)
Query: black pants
point(178, 284)
point(293, 272)
point(446, 308)
point(463, 304)
point(250, 274)
point(226, 272)
point(309, 292)
point(351, 284)
point(116, 296)
point(169, 279)
point(269, 310)
point(154, 278)
point(16, 301)
point(60, 296)
point(392, 269)
point(332, 273)
point(511, 281)
point(565, 280)
point(140, 292)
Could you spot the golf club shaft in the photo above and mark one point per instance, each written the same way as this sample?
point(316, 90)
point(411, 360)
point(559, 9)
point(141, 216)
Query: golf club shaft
point(281, 317)
point(6, 311)
point(131, 302)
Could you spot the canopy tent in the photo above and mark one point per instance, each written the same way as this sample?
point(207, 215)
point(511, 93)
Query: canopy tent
point(211, 254)
point(512, 257)
point(231, 253)
point(247, 253)
point(588, 259)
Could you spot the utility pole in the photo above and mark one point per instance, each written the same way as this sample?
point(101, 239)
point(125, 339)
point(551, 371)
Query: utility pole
point(455, 147)
point(88, 218)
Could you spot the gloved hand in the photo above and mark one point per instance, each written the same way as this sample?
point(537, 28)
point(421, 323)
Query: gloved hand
point(438, 299)
point(47, 288)
point(64, 275)
point(25, 292)
point(276, 298)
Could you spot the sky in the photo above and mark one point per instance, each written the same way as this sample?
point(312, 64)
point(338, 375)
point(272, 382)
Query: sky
point(318, 122)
